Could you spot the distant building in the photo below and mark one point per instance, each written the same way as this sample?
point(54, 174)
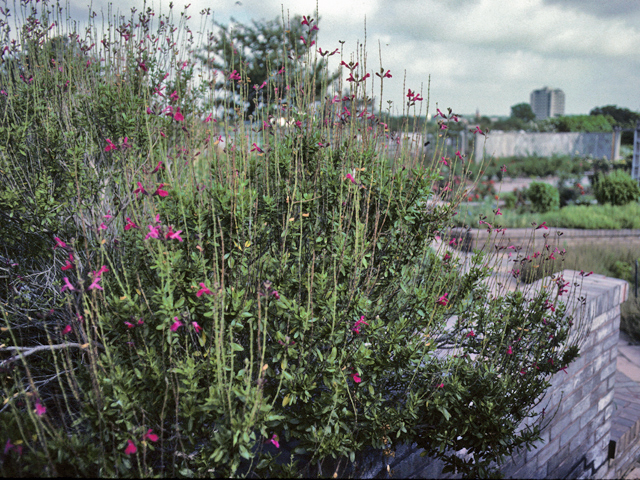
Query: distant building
point(547, 103)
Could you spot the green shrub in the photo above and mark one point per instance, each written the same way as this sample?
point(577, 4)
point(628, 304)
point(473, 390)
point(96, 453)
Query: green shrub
point(616, 188)
point(544, 197)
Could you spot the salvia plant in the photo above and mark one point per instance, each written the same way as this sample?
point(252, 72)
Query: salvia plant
point(189, 290)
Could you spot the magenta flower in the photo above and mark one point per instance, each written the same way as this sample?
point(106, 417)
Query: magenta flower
point(356, 378)
point(140, 189)
point(59, 243)
point(443, 300)
point(66, 330)
point(197, 327)
point(130, 224)
point(387, 74)
point(356, 327)
point(40, 410)
point(208, 119)
point(154, 233)
point(498, 212)
point(274, 440)
point(131, 448)
point(446, 257)
point(66, 285)
point(203, 291)
point(125, 144)
point(8, 446)
point(178, 117)
point(95, 284)
point(471, 334)
point(439, 113)
point(160, 192)
point(103, 269)
point(504, 169)
point(256, 148)
point(234, 76)
point(69, 265)
point(509, 351)
point(129, 324)
point(158, 218)
point(159, 167)
point(176, 325)
point(444, 160)
point(443, 126)
point(103, 226)
point(140, 322)
point(150, 436)
point(459, 155)
point(276, 294)
point(174, 235)
point(441, 385)
point(109, 147)
point(350, 177)
point(542, 225)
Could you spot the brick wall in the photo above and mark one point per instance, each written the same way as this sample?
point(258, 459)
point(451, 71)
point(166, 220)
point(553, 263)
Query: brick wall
point(576, 442)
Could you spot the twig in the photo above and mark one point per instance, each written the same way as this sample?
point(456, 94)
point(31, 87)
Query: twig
point(26, 351)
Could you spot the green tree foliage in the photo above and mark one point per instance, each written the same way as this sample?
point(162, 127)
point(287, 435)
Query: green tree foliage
point(265, 50)
point(577, 123)
point(522, 111)
point(544, 197)
point(616, 188)
point(622, 117)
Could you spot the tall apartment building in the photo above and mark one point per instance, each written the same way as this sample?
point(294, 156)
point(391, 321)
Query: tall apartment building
point(547, 103)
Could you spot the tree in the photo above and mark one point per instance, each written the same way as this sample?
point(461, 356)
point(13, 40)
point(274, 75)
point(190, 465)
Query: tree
point(622, 116)
point(522, 111)
point(267, 56)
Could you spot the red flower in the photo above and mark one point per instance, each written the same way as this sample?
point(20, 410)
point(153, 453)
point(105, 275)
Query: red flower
point(542, 225)
point(69, 265)
point(203, 290)
point(109, 147)
point(276, 294)
point(443, 300)
point(197, 327)
point(131, 448)
point(129, 324)
point(160, 166)
point(140, 189)
point(176, 325)
point(356, 378)
point(40, 410)
point(509, 350)
point(356, 327)
point(66, 330)
point(234, 76)
point(59, 243)
point(159, 191)
point(178, 117)
point(150, 436)
point(130, 224)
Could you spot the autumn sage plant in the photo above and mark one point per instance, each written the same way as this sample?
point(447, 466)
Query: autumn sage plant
point(190, 290)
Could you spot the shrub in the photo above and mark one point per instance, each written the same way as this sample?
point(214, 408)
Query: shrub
point(267, 308)
point(616, 188)
point(544, 197)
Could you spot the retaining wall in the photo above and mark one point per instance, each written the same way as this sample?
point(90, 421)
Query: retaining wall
point(578, 441)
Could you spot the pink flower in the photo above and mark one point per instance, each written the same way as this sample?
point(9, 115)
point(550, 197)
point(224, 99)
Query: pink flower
point(256, 148)
point(40, 410)
point(504, 169)
point(102, 270)
point(276, 294)
point(439, 113)
point(208, 119)
point(446, 257)
point(176, 325)
point(387, 74)
point(178, 117)
point(160, 166)
point(350, 177)
point(459, 155)
point(125, 144)
point(471, 334)
point(103, 226)
point(140, 322)
point(8, 446)
point(203, 291)
point(59, 243)
point(154, 232)
point(477, 130)
point(443, 300)
point(66, 285)
point(197, 327)
point(542, 225)
point(174, 235)
point(140, 189)
point(129, 324)
point(158, 218)
point(441, 385)
point(150, 436)
point(443, 126)
point(69, 265)
point(234, 76)
point(95, 284)
point(356, 327)
point(109, 147)
point(130, 224)
point(498, 212)
point(131, 448)
point(356, 378)
point(274, 440)
point(509, 350)
point(162, 193)
point(444, 160)
point(66, 330)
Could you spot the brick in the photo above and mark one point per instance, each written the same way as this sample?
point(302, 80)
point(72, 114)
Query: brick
point(580, 438)
point(604, 429)
point(569, 434)
point(608, 370)
point(611, 342)
point(599, 392)
point(560, 425)
point(611, 382)
point(557, 458)
point(600, 361)
point(547, 451)
point(581, 407)
point(589, 385)
point(570, 466)
point(569, 402)
point(606, 400)
point(603, 332)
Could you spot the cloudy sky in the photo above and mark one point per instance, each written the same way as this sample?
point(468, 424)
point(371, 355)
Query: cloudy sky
point(480, 54)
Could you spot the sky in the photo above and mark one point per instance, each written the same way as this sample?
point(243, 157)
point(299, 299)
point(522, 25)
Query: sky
point(484, 55)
